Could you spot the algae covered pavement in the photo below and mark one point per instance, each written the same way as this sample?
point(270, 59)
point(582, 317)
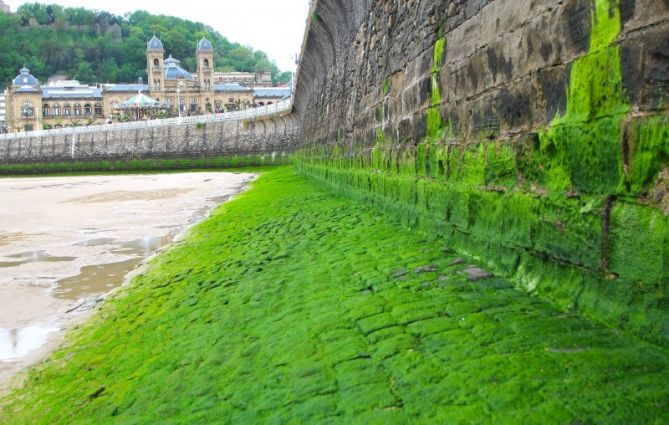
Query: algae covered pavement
point(290, 305)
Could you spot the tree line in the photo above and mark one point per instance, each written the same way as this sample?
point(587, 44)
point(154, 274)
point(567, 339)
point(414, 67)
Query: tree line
point(99, 47)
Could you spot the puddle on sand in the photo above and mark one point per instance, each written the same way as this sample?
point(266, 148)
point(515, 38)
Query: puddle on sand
point(144, 246)
point(33, 257)
point(94, 280)
point(101, 278)
point(97, 242)
point(16, 343)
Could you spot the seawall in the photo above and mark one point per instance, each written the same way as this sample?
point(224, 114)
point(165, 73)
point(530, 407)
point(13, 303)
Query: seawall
point(532, 134)
point(270, 136)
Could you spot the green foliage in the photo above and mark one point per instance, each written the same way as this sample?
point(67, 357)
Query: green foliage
point(290, 305)
point(95, 46)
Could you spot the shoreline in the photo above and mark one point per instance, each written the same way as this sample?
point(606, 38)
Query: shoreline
point(75, 313)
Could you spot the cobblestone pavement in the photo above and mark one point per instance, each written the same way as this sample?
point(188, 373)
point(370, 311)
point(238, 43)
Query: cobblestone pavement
point(293, 306)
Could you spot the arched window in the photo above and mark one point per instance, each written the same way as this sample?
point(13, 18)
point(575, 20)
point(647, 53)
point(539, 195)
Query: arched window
point(77, 110)
point(206, 63)
point(156, 62)
point(67, 110)
point(56, 110)
point(28, 110)
point(218, 105)
point(269, 103)
point(88, 111)
point(262, 104)
point(45, 110)
point(98, 109)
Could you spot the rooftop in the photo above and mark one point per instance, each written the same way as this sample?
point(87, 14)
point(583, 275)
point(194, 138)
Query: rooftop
point(231, 87)
point(71, 92)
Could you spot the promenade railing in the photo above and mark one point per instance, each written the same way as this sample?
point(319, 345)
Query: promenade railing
point(246, 114)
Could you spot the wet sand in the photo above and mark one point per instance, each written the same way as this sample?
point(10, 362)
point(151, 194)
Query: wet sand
point(65, 242)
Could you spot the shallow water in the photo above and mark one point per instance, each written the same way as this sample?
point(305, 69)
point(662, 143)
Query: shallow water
point(16, 343)
point(65, 242)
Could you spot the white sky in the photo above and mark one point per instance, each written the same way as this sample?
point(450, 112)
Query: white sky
point(274, 26)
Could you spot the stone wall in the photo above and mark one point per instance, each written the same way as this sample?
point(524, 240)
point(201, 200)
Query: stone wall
point(533, 134)
point(272, 136)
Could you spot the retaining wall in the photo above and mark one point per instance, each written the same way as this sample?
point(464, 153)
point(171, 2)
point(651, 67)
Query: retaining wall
point(273, 136)
point(533, 134)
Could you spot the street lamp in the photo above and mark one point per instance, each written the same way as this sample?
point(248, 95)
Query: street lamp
point(179, 101)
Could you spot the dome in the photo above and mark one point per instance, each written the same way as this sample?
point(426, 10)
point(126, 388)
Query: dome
point(25, 79)
point(205, 45)
point(173, 71)
point(171, 62)
point(154, 44)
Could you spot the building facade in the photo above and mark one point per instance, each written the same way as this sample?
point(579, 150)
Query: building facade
point(4, 8)
point(3, 112)
point(31, 106)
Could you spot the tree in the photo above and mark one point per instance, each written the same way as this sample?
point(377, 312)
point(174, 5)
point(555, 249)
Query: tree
point(84, 73)
point(92, 45)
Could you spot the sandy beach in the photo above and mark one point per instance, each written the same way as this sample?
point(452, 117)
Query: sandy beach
point(67, 241)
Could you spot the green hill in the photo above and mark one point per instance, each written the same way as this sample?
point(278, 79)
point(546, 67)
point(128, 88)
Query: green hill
point(95, 46)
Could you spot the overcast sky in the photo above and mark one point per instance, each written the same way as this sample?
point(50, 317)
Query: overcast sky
point(274, 26)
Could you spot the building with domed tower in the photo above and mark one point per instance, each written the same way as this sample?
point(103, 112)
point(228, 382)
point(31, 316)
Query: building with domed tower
point(4, 8)
point(33, 106)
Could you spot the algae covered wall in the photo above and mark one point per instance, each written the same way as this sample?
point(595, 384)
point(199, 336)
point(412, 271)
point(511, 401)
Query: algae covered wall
point(533, 134)
point(270, 137)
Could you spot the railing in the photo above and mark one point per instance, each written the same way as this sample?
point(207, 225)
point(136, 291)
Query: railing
point(251, 113)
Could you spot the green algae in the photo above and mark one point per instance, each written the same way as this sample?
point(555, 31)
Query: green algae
point(542, 210)
point(143, 165)
point(433, 121)
point(648, 145)
point(581, 150)
point(290, 305)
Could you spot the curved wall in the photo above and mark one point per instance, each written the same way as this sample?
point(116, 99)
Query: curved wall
point(533, 134)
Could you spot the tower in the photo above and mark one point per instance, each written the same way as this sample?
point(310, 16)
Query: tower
point(205, 64)
point(154, 65)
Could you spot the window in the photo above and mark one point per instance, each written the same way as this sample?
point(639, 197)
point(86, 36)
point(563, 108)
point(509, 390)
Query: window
point(156, 62)
point(67, 110)
point(206, 63)
point(77, 110)
point(88, 111)
point(193, 105)
point(28, 127)
point(45, 110)
point(218, 105)
point(56, 110)
point(98, 109)
point(27, 111)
